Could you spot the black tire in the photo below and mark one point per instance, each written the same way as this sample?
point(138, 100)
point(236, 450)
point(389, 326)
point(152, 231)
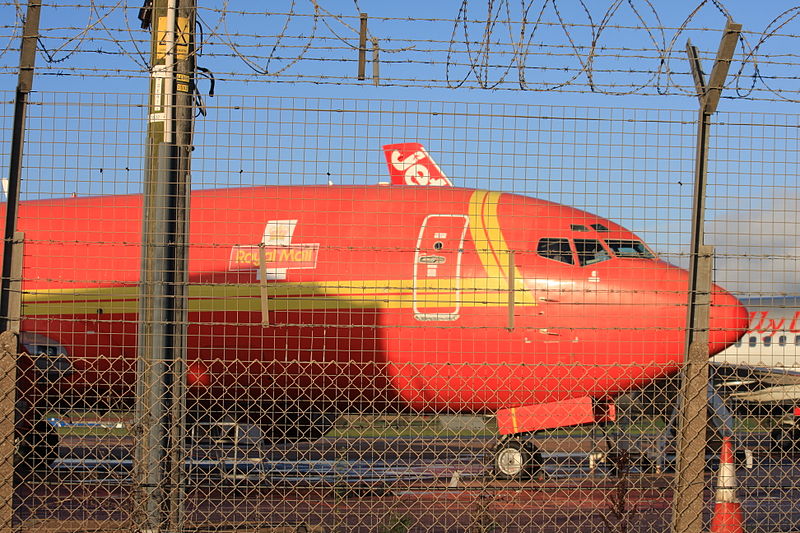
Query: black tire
point(513, 460)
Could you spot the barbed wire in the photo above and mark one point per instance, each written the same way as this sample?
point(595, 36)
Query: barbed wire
point(623, 47)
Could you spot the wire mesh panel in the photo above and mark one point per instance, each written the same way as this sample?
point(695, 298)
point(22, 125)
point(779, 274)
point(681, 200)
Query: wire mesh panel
point(393, 314)
point(366, 354)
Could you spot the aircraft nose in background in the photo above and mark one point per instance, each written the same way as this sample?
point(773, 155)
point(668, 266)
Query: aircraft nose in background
point(728, 322)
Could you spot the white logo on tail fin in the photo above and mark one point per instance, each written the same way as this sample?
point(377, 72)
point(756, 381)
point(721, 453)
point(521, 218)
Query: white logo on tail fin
point(410, 164)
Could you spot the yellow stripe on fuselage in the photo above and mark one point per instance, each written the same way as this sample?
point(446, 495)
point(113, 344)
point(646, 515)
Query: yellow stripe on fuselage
point(489, 291)
point(369, 294)
point(485, 233)
point(491, 245)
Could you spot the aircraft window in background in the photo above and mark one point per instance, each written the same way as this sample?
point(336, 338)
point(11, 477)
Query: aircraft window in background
point(556, 249)
point(797, 340)
point(622, 248)
point(767, 341)
point(782, 340)
point(738, 343)
point(599, 227)
point(578, 227)
point(590, 251)
point(751, 342)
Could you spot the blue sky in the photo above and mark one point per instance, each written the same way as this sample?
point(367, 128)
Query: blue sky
point(625, 156)
point(253, 53)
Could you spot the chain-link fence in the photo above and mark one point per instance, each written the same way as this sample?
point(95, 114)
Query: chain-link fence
point(393, 314)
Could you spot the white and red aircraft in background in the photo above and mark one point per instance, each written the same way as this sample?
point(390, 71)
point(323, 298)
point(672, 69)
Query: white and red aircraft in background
point(763, 367)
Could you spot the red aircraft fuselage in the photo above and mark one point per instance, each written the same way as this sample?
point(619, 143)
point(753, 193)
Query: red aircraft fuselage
point(432, 299)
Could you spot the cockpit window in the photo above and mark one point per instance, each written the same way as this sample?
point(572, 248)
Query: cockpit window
point(590, 251)
point(556, 249)
point(625, 248)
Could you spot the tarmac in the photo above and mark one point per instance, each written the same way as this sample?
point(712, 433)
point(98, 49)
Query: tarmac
point(376, 484)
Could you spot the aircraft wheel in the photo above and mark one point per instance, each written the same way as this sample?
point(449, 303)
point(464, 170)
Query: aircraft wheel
point(513, 460)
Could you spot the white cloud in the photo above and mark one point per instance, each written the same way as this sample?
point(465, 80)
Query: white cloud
point(757, 250)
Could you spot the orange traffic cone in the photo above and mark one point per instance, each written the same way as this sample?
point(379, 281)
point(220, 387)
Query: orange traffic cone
point(728, 517)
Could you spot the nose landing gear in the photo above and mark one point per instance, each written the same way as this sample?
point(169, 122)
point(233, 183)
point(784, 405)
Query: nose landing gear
point(516, 457)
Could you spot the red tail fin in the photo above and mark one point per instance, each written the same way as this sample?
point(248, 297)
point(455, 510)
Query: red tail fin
point(410, 164)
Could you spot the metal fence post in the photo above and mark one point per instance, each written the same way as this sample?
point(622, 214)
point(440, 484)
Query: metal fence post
point(687, 509)
point(11, 279)
point(160, 400)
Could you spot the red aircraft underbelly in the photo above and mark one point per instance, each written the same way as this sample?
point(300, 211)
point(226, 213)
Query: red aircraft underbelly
point(373, 358)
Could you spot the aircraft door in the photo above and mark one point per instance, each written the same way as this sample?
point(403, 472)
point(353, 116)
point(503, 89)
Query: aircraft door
point(437, 267)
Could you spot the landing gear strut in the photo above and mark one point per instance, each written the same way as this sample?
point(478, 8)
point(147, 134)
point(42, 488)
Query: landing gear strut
point(516, 457)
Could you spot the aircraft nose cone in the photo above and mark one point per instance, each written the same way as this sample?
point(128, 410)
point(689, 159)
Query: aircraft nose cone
point(728, 321)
